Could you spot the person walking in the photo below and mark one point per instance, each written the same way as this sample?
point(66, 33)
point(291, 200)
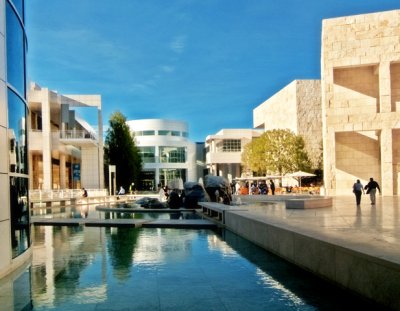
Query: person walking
point(371, 190)
point(272, 186)
point(358, 189)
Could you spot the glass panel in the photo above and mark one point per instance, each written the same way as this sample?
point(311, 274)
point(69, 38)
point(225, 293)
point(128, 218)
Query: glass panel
point(20, 230)
point(167, 175)
point(148, 133)
point(176, 133)
point(18, 157)
point(15, 52)
point(147, 180)
point(164, 133)
point(172, 154)
point(19, 5)
point(185, 134)
point(148, 154)
point(231, 145)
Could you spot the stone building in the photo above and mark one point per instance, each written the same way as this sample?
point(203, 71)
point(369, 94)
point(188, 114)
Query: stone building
point(296, 107)
point(360, 82)
point(224, 151)
point(65, 152)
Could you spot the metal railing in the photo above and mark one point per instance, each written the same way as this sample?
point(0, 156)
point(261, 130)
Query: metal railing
point(64, 194)
point(74, 134)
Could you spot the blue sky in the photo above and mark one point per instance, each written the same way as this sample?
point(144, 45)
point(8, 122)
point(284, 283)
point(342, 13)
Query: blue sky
point(206, 62)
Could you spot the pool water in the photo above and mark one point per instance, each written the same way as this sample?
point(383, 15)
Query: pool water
point(85, 268)
point(89, 211)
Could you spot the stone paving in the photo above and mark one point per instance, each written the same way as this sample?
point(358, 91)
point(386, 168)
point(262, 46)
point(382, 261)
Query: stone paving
point(371, 229)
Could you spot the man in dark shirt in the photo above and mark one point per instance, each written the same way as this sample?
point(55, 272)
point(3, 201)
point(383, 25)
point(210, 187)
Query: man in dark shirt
point(371, 189)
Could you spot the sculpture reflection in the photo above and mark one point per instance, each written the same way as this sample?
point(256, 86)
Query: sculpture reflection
point(20, 231)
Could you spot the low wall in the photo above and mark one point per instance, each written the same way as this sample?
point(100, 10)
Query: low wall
point(291, 201)
point(372, 277)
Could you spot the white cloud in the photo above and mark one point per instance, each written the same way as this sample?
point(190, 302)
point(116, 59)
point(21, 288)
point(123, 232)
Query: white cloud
point(178, 44)
point(167, 68)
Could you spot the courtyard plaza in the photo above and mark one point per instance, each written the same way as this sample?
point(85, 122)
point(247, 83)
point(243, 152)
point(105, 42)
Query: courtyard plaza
point(357, 248)
point(373, 229)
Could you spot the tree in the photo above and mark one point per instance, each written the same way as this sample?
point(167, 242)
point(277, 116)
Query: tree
point(120, 150)
point(276, 152)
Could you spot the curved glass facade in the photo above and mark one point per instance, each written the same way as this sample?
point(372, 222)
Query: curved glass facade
point(17, 115)
point(17, 127)
point(16, 47)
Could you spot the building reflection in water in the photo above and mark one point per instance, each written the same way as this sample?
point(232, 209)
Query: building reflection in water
point(15, 290)
point(76, 261)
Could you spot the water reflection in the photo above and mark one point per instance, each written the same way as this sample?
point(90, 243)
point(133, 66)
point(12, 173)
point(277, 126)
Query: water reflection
point(15, 290)
point(121, 244)
point(20, 233)
point(125, 268)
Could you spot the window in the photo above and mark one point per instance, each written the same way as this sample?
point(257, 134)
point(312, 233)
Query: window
point(147, 180)
point(167, 175)
point(148, 133)
point(18, 152)
point(185, 134)
point(231, 145)
point(172, 154)
point(175, 133)
point(164, 133)
point(147, 154)
point(15, 52)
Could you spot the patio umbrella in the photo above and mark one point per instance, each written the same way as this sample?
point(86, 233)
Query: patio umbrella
point(299, 174)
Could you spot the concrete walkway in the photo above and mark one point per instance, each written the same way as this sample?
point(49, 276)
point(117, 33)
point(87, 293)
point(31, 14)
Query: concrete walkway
point(371, 229)
point(357, 248)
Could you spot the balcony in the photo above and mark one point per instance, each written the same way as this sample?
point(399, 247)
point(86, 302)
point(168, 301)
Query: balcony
point(78, 138)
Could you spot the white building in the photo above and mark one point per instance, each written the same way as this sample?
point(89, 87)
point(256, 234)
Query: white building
point(166, 151)
point(65, 152)
point(224, 151)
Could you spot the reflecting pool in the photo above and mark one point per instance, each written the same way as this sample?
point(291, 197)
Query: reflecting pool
point(85, 268)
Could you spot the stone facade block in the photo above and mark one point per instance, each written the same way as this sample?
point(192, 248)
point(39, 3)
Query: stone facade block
point(301, 100)
point(361, 80)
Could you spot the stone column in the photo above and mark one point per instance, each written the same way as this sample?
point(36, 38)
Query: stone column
point(46, 140)
point(386, 148)
point(62, 171)
point(100, 148)
point(384, 87)
point(31, 177)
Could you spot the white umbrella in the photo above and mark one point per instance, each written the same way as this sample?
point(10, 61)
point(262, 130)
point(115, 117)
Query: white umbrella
point(299, 175)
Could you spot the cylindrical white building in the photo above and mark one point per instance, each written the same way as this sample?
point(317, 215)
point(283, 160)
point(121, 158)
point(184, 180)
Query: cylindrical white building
point(166, 151)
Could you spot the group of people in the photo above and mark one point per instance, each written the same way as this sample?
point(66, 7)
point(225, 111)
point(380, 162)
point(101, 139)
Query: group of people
point(258, 188)
point(370, 188)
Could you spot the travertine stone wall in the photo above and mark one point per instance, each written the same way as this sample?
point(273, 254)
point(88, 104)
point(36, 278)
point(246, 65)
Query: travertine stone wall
point(360, 83)
point(296, 107)
point(279, 111)
point(309, 118)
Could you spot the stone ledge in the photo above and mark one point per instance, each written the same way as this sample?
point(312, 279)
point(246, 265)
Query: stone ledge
point(291, 201)
point(338, 261)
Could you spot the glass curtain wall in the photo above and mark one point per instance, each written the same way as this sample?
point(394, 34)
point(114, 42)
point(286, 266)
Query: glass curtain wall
point(148, 154)
point(172, 174)
point(17, 126)
point(172, 154)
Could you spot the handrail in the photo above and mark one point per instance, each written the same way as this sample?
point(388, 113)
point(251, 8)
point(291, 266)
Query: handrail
point(77, 134)
point(64, 193)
